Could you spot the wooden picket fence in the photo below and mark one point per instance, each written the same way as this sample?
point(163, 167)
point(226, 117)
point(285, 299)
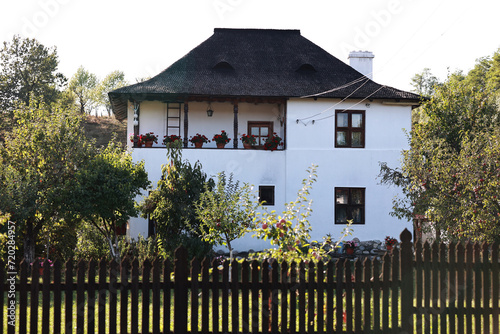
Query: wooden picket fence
point(438, 288)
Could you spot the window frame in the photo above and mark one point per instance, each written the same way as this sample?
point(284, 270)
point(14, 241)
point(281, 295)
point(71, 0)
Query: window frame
point(349, 130)
point(349, 206)
point(268, 187)
point(260, 124)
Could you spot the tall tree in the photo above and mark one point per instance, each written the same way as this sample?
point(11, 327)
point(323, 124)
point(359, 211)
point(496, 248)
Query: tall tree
point(104, 192)
point(39, 160)
point(84, 84)
point(28, 69)
point(450, 173)
point(424, 83)
point(172, 204)
point(226, 212)
point(113, 80)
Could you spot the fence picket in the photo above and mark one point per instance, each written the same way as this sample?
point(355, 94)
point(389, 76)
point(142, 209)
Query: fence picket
point(113, 296)
point(156, 295)
point(495, 279)
point(460, 288)
point(57, 297)
point(102, 296)
point(452, 286)
point(91, 297)
point(124, 300)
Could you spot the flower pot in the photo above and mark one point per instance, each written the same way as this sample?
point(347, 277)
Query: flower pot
point(247, 146)
point(148, 143)
point(389, 247)
point(40, 271)
point(349, 251)
point(198, 144)
point(221, 145)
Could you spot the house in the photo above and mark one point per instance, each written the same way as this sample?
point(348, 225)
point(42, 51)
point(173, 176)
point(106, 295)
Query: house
point(262, 81)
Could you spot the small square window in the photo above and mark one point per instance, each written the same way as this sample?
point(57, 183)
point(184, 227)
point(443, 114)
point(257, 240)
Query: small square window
point(349, 205)
point(266, 195)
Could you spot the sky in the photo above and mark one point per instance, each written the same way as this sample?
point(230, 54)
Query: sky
point(142, 38)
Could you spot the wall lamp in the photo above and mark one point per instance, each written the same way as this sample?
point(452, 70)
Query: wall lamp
point(210, 112)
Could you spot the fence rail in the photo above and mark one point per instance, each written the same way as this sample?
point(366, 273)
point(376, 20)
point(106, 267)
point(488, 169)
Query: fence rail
point(417, 288)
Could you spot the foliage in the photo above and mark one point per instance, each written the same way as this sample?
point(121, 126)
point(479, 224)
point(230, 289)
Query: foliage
point(272, 142)
point(290, 232)
point(425, 83)
point(91, 243)
point(28, 69)
point(451, 172)
point(171, 204)
point(141, 249)
point(83, 84)
point(112, 81)
point(226, 211)
point(221, 138)
point(39, 159)
point(248, 139)
point(104, 192)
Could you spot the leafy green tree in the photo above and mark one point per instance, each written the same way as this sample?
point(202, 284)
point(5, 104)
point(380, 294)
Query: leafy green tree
point(450, 172)
point(226, 212)
point(289, 233)
point(112, 81)
point(28, 69)
point(40, 158)
point(104, 192)
point(84, 84)
point(424, 83)
point(172, 205)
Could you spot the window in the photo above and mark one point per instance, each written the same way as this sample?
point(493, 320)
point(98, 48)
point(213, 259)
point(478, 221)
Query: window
point(349, 205)
point(261, 130)
point(350, 128)
point(266, 195)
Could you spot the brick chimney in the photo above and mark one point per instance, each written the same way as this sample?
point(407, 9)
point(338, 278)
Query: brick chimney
point(362, 61)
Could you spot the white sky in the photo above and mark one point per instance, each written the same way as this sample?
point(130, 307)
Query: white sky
point(141, 38)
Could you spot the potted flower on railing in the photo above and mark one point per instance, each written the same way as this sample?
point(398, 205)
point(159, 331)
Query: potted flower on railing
point(390, 242)
point(136, 139)
point(272, 142)
point(148, 139)
point(349, 247)
point(198, 140)
point(248, 140)
point(172, 140)
point(221, 139)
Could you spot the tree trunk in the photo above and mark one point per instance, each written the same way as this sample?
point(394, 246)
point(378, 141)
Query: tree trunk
point(29, 242)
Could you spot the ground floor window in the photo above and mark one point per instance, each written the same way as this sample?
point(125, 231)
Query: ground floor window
point(266, 195)
point(349, 205)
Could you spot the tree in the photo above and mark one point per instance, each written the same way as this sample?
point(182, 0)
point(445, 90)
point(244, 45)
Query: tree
point(104, 192)
point(424, 83)
point(226, 211)
point(28, 69)
point(172, 204)
point(40, 158)
point(114, 80)
point(450, 172)
point(83, 84)
point(290, 232)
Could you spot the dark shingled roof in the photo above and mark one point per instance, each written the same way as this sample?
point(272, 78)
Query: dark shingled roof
point(256, 63)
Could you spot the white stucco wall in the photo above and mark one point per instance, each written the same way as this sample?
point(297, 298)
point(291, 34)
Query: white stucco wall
point(307, 143)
